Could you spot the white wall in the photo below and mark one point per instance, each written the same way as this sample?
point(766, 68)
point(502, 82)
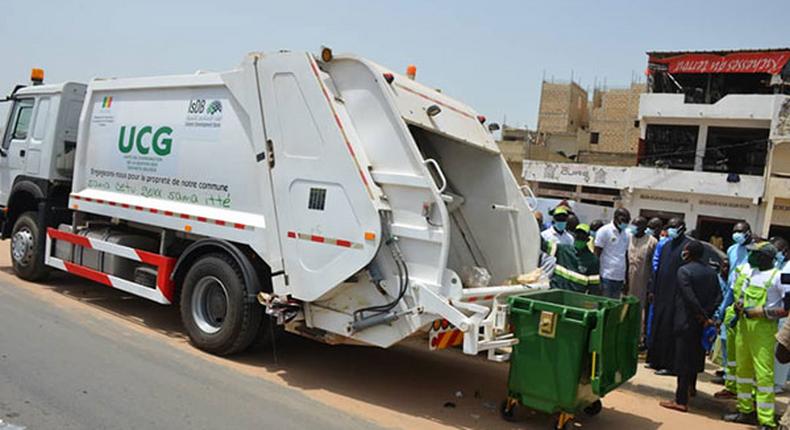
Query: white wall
point(694, 206)
point(749, 107)
point(649, 178)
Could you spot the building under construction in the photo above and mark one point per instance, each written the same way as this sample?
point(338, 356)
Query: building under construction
point(707, 138)
point(574, 128)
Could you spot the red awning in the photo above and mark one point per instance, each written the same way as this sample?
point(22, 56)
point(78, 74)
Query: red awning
point(770, 62)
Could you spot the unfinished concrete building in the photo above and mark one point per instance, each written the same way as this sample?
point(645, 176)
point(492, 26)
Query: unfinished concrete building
point(570, 129)
point(614, 127)
point(563, 108)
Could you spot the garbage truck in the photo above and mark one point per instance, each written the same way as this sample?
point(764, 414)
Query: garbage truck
point(323, 193)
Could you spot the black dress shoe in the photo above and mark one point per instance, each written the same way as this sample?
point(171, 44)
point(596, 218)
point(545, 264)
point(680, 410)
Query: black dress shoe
point(664, 372)
point(741, 418)
point(720, 373)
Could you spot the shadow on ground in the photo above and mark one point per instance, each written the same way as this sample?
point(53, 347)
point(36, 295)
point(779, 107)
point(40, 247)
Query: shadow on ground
point(407, 378)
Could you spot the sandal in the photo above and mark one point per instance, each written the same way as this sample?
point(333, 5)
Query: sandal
point(674, 406)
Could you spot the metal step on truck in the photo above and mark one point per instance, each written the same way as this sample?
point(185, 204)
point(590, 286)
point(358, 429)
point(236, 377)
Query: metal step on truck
point(355, 204)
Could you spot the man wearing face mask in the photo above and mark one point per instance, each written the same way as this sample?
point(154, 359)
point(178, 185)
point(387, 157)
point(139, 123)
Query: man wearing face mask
point(696, 299)
point(759, 302)
point(737, 253)
point(577, 267)
point(611, 246)
point(640, 254)
point(558, 233)
point(737, 256)
point(661, 347)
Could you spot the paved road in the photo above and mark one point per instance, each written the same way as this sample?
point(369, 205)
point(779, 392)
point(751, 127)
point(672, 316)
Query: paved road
point(61, 369)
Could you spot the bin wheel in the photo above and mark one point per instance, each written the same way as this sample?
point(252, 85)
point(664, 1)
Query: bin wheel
point(594, 408)
point(563, 421)
point(507, 409)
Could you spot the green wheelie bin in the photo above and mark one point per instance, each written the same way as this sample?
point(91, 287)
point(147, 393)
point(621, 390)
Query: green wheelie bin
point(572, 350)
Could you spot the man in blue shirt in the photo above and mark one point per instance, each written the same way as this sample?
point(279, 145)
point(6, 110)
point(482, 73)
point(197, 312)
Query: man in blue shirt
point(737, 253)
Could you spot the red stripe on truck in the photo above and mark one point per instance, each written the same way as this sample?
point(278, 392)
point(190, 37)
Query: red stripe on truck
point(235, 225)
point(164, 266)
point(476, 298)
point(88, 273)
point(163, 263)
point(325, 240)
point(69, 237)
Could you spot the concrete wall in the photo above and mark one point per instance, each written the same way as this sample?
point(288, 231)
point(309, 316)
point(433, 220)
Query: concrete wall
point(671, 108)
point(607, 158)
point(563, 108)
point(612, 116)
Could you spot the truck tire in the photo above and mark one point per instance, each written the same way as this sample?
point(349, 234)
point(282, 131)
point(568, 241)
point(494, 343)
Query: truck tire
point(214, 307)
point(27, 248)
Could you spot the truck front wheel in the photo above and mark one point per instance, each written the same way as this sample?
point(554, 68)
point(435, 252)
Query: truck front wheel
point(214, 307)
point(27, 248)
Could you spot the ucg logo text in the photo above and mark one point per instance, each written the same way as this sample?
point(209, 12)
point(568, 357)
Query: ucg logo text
point(160, 140)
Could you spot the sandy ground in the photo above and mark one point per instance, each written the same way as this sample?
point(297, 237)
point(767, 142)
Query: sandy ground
point(403, 387)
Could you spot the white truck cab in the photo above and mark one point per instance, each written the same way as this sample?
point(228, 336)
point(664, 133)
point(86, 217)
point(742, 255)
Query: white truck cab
point(350, 201)
point(40, 138)
point(37, 155)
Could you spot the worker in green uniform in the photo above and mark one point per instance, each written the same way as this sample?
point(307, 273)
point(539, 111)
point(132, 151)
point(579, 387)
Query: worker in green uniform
point(760, 302)
point(577, 268)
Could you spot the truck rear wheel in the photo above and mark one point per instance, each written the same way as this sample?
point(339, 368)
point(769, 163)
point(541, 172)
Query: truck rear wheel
point(214, 307)
point(27, 248)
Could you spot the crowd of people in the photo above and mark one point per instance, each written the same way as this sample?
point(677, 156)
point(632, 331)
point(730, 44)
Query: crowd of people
point(695, 303)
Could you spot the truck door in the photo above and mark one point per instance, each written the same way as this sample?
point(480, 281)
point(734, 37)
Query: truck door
point(328, 225)
point(14, 146)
